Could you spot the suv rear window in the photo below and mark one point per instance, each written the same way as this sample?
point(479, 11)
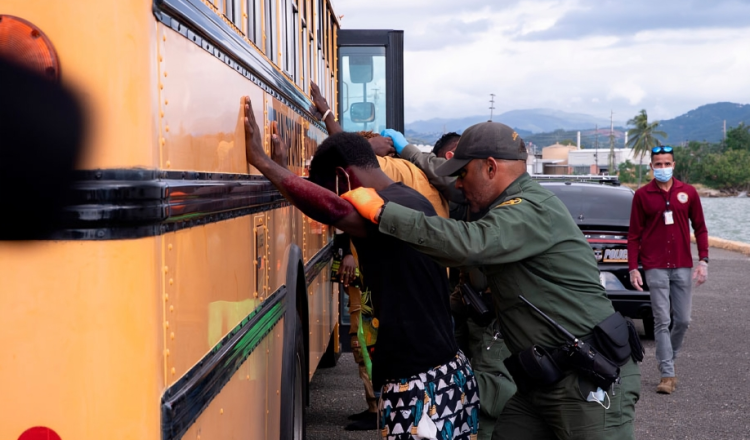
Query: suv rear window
point(595, 204)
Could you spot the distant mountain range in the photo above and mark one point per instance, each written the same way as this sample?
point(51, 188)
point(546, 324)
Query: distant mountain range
point(544, 126)
point(706, 123)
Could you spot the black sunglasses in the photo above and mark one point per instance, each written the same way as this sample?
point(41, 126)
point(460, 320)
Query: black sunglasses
point(662, 149)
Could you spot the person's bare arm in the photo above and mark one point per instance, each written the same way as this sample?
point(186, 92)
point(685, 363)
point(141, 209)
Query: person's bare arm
point(313, 200)
point(321, 106)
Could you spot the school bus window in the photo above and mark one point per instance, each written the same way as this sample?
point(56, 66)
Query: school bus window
point(320, 24)
point(269, 11)
point(254, 17)
point(305, 74)
point(288, 18)
point(281, 32)
point(233, 11)
point(295, 42)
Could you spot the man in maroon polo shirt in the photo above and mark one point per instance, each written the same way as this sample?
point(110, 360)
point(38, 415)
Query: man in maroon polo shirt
point(660, 236)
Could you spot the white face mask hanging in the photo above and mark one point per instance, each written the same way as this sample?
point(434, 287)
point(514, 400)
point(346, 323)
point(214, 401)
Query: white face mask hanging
point(598, 396)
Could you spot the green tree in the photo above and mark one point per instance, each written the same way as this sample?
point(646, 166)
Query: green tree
point(627, 171)
point(642, 137)
point(688, 165)
point(738, 138)
point(728, 171)
point(567, 142)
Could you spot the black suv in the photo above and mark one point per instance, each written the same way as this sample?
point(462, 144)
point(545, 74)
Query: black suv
point(601, 208)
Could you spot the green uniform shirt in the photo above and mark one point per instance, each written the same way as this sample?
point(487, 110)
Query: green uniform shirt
point(527, 244)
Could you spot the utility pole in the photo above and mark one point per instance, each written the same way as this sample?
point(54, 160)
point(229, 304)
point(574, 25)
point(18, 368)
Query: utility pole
point(596, 147)
point(492, 104)
point(725, 131)
point(611, 143)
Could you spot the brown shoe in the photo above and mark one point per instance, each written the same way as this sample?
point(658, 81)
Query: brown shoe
point(666, 385)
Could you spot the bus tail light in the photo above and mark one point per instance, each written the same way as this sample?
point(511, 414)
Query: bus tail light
point(25, 44)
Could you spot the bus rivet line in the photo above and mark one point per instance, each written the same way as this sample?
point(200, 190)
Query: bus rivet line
point(173, 371)
point(172, 335)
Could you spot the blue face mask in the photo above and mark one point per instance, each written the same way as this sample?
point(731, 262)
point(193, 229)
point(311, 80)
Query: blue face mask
point(663, 174)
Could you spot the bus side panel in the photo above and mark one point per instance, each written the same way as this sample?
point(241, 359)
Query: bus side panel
point(107, 55)
point(248, 405)
point(201, 116)
point(81, 337)
point(210, 287)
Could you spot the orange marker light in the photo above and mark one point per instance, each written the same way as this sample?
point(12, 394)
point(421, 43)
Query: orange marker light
point(25, 44)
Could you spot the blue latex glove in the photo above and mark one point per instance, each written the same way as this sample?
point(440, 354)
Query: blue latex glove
point(399, 141)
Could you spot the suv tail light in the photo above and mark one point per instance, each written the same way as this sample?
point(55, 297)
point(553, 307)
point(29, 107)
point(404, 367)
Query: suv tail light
point(25, 44)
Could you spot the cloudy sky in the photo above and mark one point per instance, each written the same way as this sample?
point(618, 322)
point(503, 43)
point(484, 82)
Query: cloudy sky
point(584, 56)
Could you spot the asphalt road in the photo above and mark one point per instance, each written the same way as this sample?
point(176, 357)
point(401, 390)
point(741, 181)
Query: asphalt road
point(712, 401)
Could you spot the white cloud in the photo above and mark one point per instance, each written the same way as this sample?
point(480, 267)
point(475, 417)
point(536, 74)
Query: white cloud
point(457, 53)
point(628, 90)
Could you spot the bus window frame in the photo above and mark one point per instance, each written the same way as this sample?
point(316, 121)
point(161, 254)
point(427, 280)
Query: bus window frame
point(254, 20)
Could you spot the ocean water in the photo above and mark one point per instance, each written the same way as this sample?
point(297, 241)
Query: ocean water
point(727, 217)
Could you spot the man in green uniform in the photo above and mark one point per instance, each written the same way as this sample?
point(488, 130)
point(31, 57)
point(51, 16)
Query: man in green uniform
point(525, 243)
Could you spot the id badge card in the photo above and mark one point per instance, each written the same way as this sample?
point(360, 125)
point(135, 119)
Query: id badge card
point(668, 218)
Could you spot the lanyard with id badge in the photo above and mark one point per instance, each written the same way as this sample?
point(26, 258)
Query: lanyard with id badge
point(668, 214)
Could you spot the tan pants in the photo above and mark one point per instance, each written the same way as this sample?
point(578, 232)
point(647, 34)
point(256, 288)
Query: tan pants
point(355, 307)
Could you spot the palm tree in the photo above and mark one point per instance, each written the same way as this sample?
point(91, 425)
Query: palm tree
point(642, 138)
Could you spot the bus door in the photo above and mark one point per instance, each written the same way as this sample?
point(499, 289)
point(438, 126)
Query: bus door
point(371, 98)
point(371, 80)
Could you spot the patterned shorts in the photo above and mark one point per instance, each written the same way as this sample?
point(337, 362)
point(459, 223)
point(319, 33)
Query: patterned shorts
point(442, 403)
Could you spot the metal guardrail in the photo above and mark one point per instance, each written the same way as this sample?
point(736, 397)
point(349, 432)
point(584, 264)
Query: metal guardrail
point(583, 178)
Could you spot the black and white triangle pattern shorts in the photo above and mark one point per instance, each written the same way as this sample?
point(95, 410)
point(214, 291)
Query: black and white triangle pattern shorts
point(441, 403)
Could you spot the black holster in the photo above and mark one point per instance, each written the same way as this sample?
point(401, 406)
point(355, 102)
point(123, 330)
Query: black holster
point(617, 339)
point(585, 359)
point(533, 367)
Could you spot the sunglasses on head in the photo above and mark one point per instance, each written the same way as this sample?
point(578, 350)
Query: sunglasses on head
point(662, 149)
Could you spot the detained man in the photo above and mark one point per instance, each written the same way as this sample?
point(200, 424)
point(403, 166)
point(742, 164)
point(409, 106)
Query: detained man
point(428, 386)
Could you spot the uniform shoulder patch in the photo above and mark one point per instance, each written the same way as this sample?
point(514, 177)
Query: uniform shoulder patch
point(515, 201)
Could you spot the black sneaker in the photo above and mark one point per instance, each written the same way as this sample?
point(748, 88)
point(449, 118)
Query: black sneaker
point(361, 415)
point(369, 423)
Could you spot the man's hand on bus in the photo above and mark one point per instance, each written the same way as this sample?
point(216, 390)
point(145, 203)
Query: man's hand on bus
point(319, 102)
point(382, 146)
point(279, 148)
point(346, 270)
point(322, 111)
point(253, 139)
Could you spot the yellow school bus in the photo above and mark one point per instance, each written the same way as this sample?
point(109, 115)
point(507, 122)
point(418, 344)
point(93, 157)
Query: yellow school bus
point(184, 298)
